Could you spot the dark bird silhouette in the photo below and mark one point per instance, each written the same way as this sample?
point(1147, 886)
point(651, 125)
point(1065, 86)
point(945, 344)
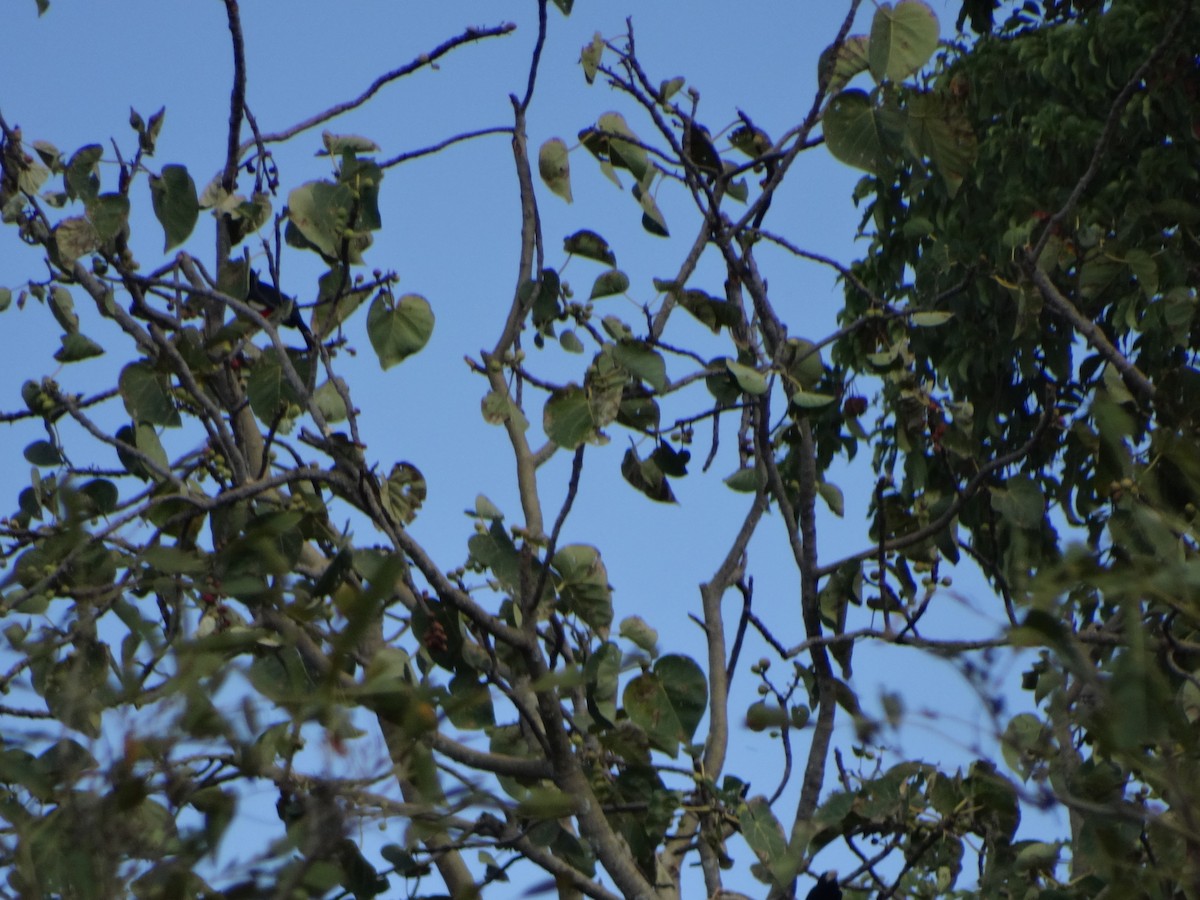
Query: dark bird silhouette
point(266, 298)
point(826, 888)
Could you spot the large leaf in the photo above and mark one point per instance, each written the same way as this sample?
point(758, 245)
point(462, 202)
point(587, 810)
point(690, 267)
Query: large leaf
point(567, 418)
point(765, 836)
point(173, 195)
point(583, 585)
point(648, 706)
point(642, 361)
point(400, 329)
point(851, 130)
point(944, 135)
point(109, 215)
point(270, 393)
point(850, 60)
point(146, 395)
point(902, 39)
point(320, 211)
point(686, 686)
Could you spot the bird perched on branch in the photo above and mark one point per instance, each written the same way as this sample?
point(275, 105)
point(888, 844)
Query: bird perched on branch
point(267, 298)
point(826, 888)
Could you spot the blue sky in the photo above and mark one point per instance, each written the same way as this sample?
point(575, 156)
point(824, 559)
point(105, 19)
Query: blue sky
point(450, 232)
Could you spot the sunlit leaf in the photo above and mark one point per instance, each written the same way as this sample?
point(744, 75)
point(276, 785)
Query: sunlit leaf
point(590, 56)
point(555, 167)
point(903, 38)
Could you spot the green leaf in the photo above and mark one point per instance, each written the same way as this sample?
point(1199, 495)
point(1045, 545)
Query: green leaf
point(567, 418)
point(75, 237)
point(554, 166)
point(173, 195)
point(805, 366)
point(545, 801)
point(749, 379)
point(614, 281)
point(570, 342)
point(940, 131)
point(746, 480)
point(80, 178)
point(270, 393)
point(175, 560)
point(564, 6)
point(583, 585)
point(652, 217)
point(648, 706)
point(470, 703)
point(811, 400)
point(403, 492)
point(669, 88)
point(339, 144)
point(102, 493)
point(638, 410)
point(498, 407)
point(62, 307)
point(765, 836)
point(76, 347)
point(623, 154)
point(832, 495)
point(109, 215)
point(591, 245)
point(1021, 502)
point(930, 319)
point(710, 311)
point(590, 56)
point(43, 454)
point(642, 361)
point(903, 39)
point(329, 401)
point(495, 550)
point(647, 477)
point(5, 298)
point(144, 438)
point(400, 330)
point(852, 58)
point(686, 687)
point(851, 131)
point(635, 630)
point(320, 211)
point(146, 395)
point(601, 672)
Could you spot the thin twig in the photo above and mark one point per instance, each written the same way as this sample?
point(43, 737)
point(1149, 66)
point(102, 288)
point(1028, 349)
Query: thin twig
point(425, 59)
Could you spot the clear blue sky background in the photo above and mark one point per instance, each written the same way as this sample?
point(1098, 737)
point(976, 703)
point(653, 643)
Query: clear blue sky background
point(450, 231)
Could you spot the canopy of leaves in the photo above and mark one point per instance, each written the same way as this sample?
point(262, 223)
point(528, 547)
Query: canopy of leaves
point(209, 565)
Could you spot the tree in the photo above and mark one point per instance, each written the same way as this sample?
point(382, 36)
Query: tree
point(210, 566)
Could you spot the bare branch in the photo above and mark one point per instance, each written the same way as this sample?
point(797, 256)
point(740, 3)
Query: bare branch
point(425, 59)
